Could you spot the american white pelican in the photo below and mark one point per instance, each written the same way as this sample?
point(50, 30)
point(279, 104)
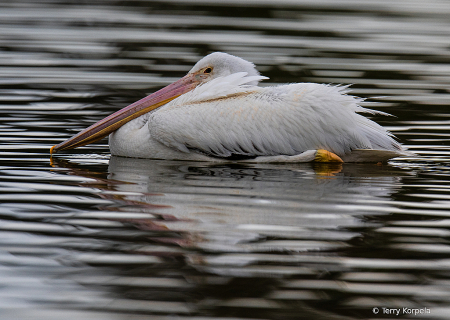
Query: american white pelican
point(218, 111)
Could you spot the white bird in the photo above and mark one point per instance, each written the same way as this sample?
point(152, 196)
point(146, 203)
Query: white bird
point(218, 112)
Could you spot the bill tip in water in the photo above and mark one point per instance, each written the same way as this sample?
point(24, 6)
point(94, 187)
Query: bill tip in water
point(52, 150)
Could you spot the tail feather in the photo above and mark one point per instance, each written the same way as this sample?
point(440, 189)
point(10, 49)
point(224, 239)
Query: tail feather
point(378, 136)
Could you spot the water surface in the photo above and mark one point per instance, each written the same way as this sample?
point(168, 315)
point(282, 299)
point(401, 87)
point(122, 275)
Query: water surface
point(90, 236)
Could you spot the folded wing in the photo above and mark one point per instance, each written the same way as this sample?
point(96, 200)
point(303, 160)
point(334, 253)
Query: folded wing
point(265, 121)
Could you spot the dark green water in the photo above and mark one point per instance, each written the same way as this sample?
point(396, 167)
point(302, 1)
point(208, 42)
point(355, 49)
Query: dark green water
point(89, 236)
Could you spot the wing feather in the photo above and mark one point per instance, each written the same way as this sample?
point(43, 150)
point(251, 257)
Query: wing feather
point(255, 121)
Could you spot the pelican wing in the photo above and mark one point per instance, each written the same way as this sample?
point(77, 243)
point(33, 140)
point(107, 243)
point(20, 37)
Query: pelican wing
point(252, 121)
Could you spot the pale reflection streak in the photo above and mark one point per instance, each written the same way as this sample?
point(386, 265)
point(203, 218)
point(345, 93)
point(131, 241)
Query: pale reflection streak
point(216, 241)
point(229, 220)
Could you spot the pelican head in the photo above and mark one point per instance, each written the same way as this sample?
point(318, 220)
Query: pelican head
point(212, 66)
point(219, 64)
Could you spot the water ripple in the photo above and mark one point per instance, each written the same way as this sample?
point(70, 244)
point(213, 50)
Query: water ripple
point(86, 235)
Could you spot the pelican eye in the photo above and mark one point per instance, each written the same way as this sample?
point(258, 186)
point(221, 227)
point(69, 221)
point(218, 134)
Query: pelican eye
point(207, 70)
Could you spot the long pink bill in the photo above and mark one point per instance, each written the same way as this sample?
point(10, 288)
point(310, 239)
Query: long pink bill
point(111, 123)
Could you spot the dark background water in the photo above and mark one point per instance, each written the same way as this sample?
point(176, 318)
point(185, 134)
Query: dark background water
point(89, 236)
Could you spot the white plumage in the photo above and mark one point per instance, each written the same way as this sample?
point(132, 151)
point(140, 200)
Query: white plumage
point(226, 117)
point(218, 111)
